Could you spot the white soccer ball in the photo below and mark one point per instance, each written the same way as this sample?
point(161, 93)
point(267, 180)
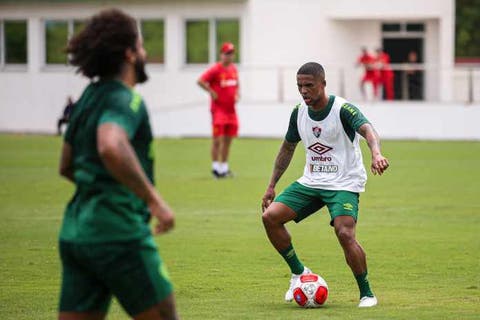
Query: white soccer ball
point(310, 291)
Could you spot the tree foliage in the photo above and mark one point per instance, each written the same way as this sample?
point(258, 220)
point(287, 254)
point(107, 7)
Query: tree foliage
point(467, 26)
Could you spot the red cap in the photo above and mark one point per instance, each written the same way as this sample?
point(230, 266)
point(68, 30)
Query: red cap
point(227, 47)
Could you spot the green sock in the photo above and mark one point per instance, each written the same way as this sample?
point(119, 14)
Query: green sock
point(363, 285)
point(291, 258)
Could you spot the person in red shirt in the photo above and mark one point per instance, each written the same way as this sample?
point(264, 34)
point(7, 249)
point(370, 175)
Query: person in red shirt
point(370, 76)
point(386, 73)
point(221, 82)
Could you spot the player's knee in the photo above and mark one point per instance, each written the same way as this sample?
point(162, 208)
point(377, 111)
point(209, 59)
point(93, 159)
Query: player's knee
point(266, 218)
point(345, 236)
point(269, 219)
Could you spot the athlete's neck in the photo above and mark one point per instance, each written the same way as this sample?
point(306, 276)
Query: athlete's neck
point(320, 104)
point(128, 76)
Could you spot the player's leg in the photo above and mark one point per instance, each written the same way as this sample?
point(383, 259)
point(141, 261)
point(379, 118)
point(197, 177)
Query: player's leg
point(81, 316)
point(139, 280)
point(274, 219)
point(164, 310)
point(343, 207)
point(294, 203)
point(389, 91)
point(225, 144)
point(82, 295)
point(355, 257)
point(230, 131)
point(215, 149)
point(354, 253)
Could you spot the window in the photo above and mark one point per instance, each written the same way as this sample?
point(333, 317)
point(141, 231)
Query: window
point(57, 33)
point(13, 34)
point(403, 27)
point(78, 26)
point(205, 37)
point(415, 27)
point(56, 37)
point(197, 41)
point(228, 31)
point(391, 27)
point(153, 32)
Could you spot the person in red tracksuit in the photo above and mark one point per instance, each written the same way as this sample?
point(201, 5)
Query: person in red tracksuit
point(386, 73)
point(221, 82)
point(367, 61)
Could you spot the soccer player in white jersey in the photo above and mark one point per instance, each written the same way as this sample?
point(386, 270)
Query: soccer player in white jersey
point(334, 175)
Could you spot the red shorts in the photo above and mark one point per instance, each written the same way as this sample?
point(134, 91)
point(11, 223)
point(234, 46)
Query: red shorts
point(227, 129)
point(224, 124)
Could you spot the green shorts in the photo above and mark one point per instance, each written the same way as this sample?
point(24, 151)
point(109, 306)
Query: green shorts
point(132, 271)
point(305, 201)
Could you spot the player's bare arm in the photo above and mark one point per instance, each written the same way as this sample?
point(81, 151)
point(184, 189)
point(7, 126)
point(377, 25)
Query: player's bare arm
point(121, 161)
point(379, 162)
point(205, 86)
point(66, 167)
point(282, 162)
point(237, 94)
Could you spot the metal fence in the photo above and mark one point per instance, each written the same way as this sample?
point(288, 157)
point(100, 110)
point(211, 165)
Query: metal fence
point(412, 82)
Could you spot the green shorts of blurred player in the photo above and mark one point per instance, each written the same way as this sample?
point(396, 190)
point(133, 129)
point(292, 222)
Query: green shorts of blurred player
point(131, 271)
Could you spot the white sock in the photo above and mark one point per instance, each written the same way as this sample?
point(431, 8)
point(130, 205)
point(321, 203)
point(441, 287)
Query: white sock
point(216, 166)
point(223, 167)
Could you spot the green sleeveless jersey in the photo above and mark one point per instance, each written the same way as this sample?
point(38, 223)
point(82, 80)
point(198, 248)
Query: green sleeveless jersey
point(102, 209)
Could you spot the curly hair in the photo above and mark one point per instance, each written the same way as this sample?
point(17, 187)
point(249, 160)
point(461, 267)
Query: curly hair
point(99, 49)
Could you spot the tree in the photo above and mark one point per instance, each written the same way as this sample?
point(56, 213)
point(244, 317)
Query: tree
point(467, 26)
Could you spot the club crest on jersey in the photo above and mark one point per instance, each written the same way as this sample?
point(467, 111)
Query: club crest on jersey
point(317, 131)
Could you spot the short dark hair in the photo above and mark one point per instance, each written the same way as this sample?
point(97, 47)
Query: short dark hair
point(312, 68)
point(99, 49)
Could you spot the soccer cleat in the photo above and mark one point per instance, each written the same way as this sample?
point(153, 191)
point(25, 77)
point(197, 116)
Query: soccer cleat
point(366, 302)
point(216, 175)
point(293, 280)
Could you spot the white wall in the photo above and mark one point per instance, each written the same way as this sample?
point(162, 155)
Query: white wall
point(277, 37)
point(400, 120)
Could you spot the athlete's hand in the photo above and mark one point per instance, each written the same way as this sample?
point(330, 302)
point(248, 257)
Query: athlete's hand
point(162, 212)
point(379, 164)
point(268, 198)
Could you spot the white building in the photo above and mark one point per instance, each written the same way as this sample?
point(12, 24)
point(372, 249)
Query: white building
point(274, 38)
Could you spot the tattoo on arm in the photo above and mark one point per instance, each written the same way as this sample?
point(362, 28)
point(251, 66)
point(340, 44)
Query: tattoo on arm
point(282, 161)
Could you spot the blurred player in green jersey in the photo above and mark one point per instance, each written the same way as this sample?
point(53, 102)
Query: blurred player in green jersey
point(106, 245)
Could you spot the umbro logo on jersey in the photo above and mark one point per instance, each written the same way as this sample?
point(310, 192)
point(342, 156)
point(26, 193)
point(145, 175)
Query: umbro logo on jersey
point(317, 131)
point(319, 148)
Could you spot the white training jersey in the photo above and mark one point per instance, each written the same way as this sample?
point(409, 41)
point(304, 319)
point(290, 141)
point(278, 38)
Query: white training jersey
point(333, 161)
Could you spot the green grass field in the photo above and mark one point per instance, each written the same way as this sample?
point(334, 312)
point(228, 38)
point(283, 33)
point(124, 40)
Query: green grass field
point(419, 224)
